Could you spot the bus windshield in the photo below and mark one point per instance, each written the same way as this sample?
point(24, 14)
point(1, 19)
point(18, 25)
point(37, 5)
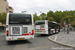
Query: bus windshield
point(15, 18)
point(39, 22)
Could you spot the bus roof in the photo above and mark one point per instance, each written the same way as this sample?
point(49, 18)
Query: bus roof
point(48, 21)
point(53, 22)
point(40, 20)
point(17, 13)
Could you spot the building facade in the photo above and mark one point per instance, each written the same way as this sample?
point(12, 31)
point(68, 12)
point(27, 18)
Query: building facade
point(4, 7)
point(10, 9)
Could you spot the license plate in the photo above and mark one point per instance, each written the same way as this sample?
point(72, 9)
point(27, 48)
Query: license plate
point(21, 38)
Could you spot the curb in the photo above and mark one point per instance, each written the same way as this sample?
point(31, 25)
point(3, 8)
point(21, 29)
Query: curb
point(61, 43)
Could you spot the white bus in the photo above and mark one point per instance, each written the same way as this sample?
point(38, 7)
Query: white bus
point(46, 27)
point(19, 26)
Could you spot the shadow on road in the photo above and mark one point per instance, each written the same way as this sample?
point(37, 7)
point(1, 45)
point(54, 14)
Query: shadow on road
point(18, 42)
point(43, 35)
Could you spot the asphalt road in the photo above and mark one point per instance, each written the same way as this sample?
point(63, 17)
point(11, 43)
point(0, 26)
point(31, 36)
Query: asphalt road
point(40, 42)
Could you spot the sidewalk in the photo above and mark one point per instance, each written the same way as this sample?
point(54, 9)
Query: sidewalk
point(64, 38)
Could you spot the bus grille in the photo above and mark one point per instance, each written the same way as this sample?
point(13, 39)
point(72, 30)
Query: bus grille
point(16, 30)
point(25, 29)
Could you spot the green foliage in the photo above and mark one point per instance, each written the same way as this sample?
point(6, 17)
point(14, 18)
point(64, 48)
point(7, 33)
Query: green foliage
point(42, 16)
point(35, 17)
point(50, 18)
point(3, 17)
point(67, 18)
point(50, 14)
point(73, 23)
point(58, 16)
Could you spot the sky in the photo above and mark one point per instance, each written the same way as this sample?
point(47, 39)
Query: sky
point(41, 6)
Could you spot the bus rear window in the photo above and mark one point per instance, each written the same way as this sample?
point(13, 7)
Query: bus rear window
point(39, 22)
point(20, 19)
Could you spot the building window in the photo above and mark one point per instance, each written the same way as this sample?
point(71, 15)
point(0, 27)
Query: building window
point(6, 10)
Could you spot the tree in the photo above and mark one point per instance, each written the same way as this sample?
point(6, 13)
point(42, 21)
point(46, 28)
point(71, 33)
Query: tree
point(35, 17)
point(69, 17)
point(50, 14)
point(3, 17)
point(58, 16)
point(42, 16)
point(0, 17)
point(73, 23)
point(50, 18)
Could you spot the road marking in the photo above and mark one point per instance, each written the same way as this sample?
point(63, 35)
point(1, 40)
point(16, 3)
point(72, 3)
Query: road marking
point(56, 38)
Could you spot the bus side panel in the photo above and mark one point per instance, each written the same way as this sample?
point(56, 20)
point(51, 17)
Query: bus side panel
point(46, 28)
point(7, 21)
point(49, 28)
